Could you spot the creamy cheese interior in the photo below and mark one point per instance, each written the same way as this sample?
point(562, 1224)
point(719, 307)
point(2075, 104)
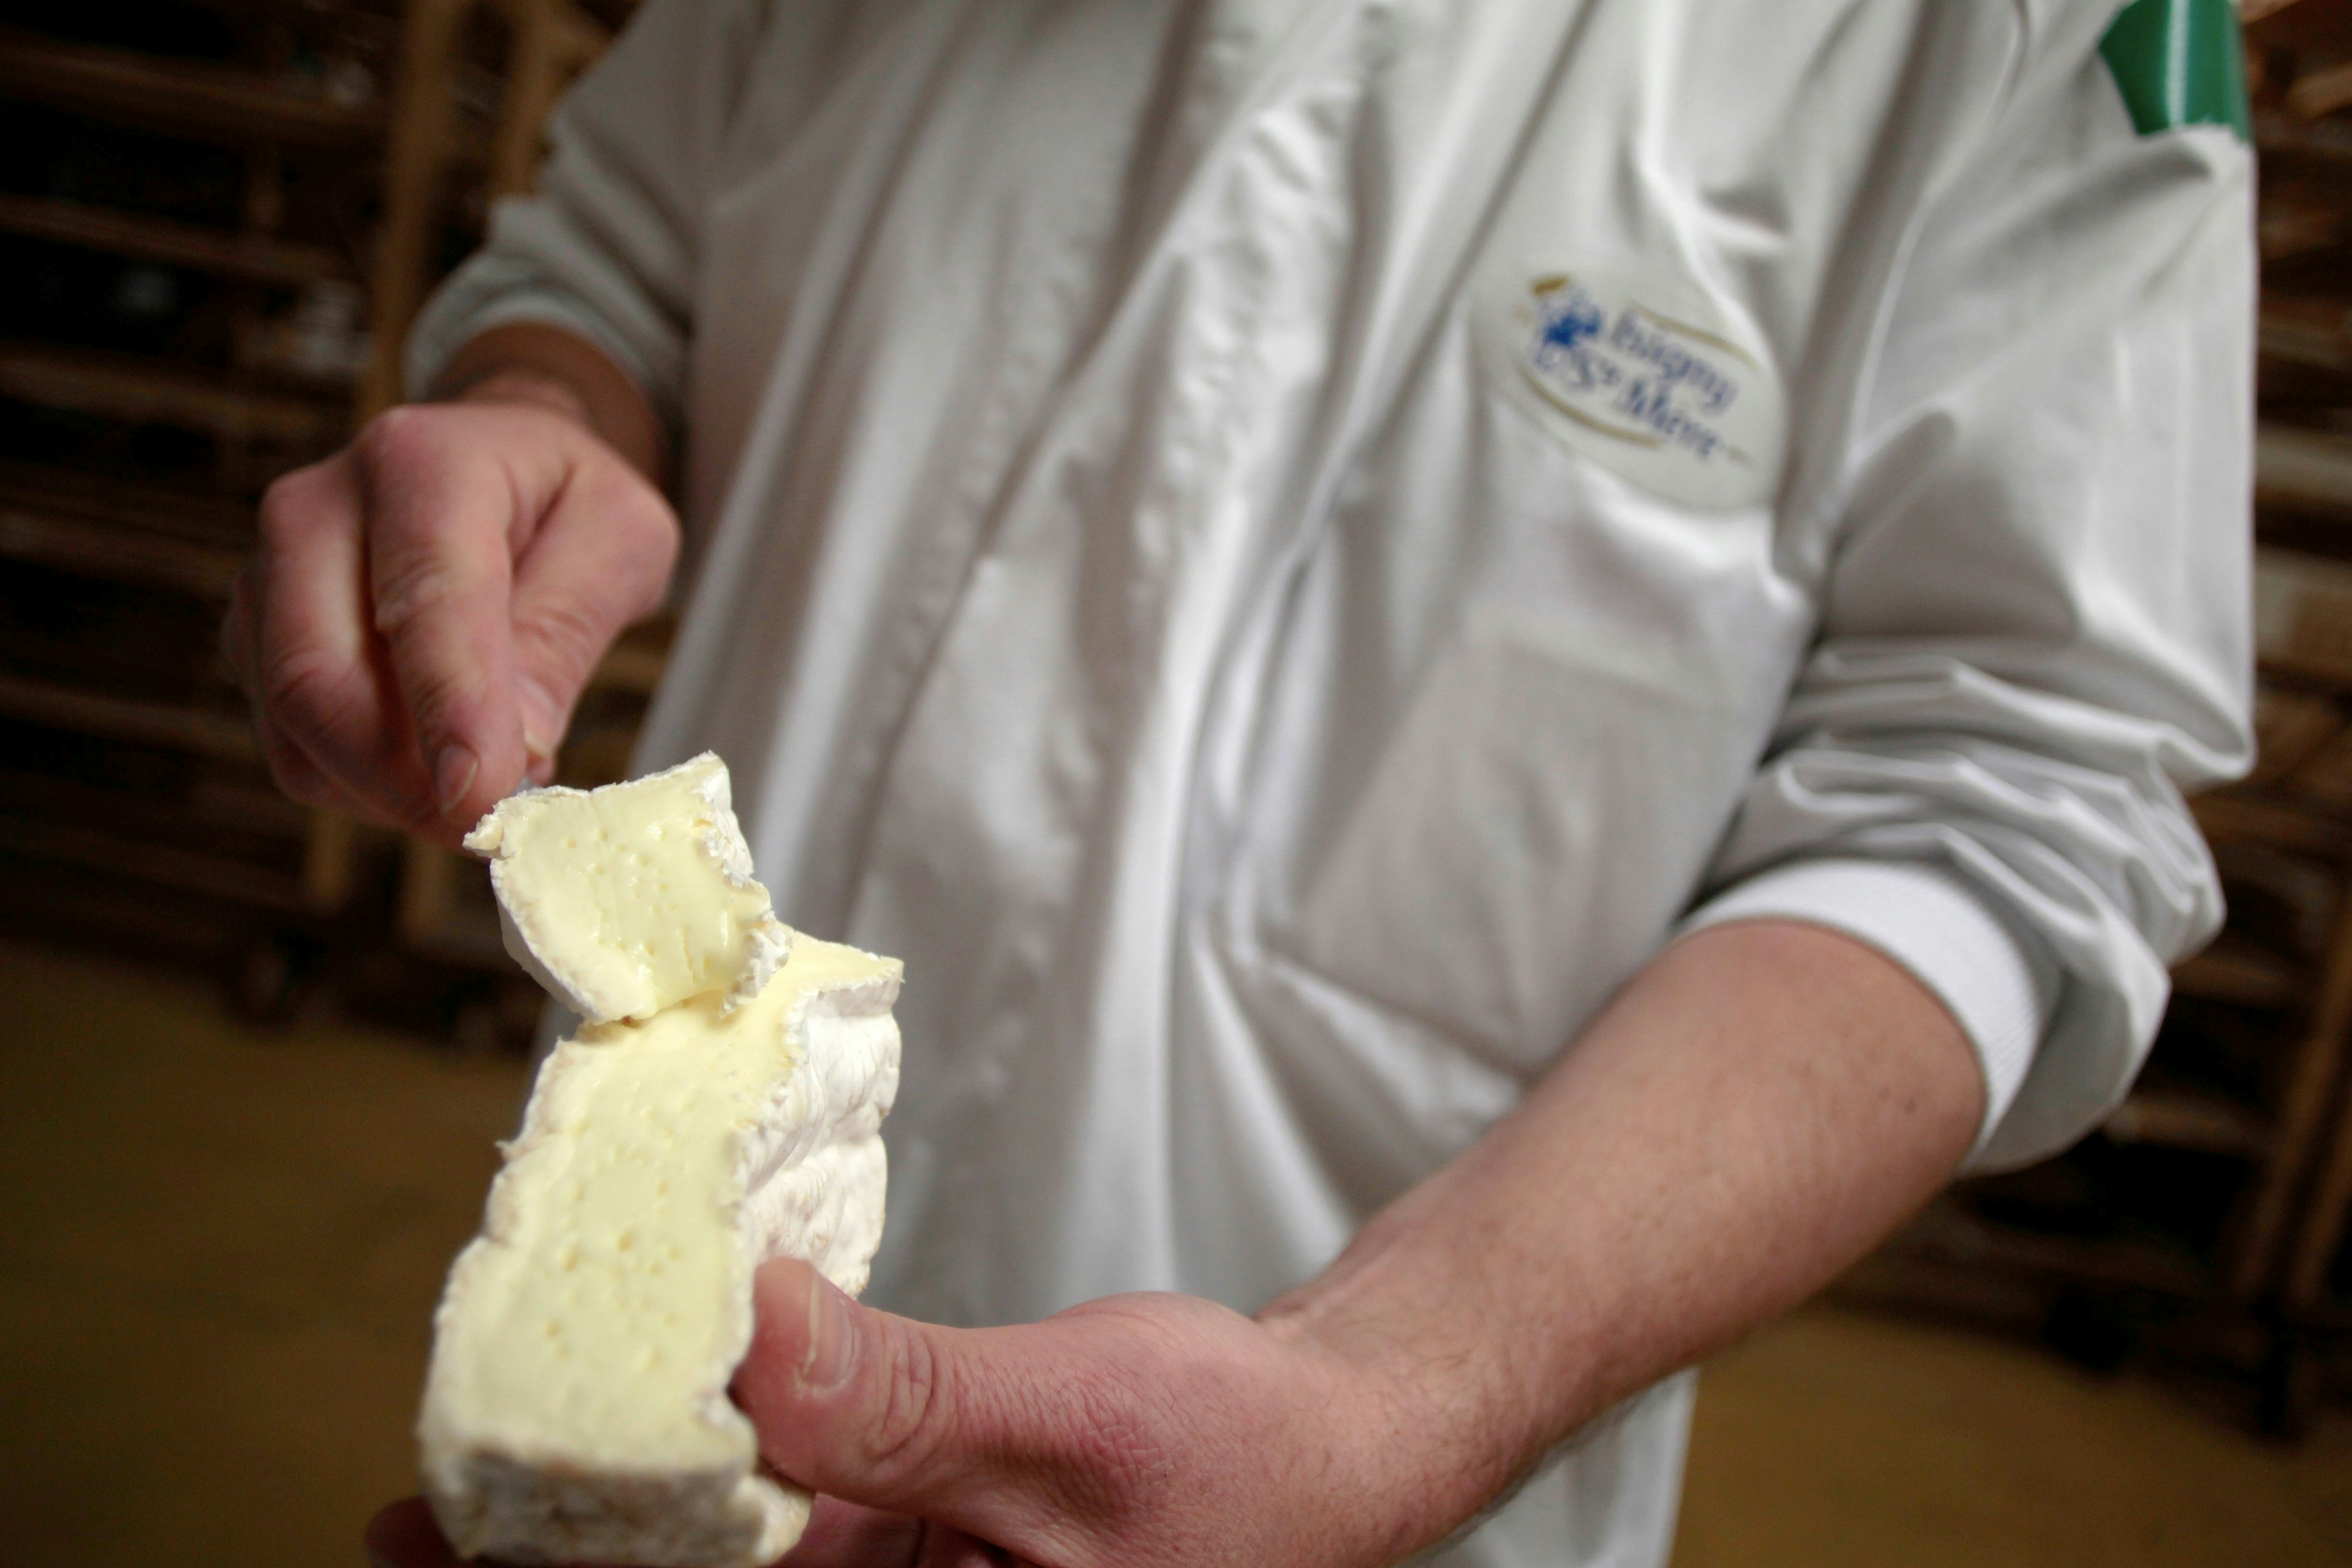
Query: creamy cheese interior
point(625, 899)
point(593, 1327)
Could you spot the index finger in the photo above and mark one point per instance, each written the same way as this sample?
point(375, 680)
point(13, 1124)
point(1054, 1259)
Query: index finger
point(440, 566)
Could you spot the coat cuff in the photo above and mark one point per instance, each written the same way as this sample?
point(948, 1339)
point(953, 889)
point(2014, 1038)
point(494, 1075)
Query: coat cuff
point(2000, 982)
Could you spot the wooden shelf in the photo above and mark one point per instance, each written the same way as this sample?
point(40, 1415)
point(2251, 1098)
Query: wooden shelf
point(106, 550)
point(2303, 471)
point(2316, 333)
point(2184, 1119)
point(2238, 972)
point(1947, 1233)
point(127, 719)
point(122, 386)
point(2240, 817)
point(216, 875)
point(179, 513)
point(255, 258)
point(184, 98)
point(2324, 140)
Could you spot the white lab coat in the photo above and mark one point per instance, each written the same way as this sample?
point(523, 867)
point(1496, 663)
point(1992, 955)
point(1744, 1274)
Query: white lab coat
point(1277, 550)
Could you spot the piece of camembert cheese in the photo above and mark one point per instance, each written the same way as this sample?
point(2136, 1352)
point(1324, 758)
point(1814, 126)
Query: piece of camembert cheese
point(630, 899)
point(576, 1409)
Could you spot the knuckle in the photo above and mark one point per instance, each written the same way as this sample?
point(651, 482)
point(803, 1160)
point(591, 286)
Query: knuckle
point(289, 508)
point(303, 691)
point(406, 435)
point(914, 1417)
point(416, 585)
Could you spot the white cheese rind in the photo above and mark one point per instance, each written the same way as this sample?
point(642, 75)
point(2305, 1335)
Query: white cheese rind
point(629, 899)
point(576, 1409)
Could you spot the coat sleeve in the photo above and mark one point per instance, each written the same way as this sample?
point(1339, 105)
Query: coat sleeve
point(2035, 632)
point(606, 247)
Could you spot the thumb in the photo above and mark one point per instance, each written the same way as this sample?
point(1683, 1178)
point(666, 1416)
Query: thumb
point(599, 559)
point(1018, 1436)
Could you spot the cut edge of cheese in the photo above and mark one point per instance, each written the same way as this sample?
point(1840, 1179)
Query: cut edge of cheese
point(556, 934)
point(525, 1462)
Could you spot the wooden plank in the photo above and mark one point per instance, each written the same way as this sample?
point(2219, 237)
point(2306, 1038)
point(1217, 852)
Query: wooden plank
point(127, 719)
point(1947, 1233)
point(634, 664)
point(153, 509)
point(2279, 825)
point(2319, 92)
point(119, 386)
point(2240, 973)
point(2182, 1119)
point(416, 162)
point(216, 875)
point(2278, 136)
point(2290, 726)
point(254, 257)
point(2321, 1236)
point(2302, 615)
point(2297, 24)
point(2288, 228)
point(2314, 333)
point(181, 97)
point(115, 553)
point(2313, 1069)
point(535, 73)
point(2302, 469)
point(435, 916)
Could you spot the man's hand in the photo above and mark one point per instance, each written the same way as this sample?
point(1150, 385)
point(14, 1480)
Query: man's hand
point(1132, 1431)
point(1136, 1431)
point(428, 601)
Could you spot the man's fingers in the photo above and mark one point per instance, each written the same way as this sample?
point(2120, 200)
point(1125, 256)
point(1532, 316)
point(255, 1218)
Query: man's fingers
point(428, 604)
point(301, 640)
point(599, 559)
point(439, 562)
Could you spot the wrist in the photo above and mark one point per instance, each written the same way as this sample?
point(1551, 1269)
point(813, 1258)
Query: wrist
point(1431, 1420)
point(542, 366)
point(516, 384)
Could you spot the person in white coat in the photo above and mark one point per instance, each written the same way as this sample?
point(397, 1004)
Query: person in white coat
point(1508, 671)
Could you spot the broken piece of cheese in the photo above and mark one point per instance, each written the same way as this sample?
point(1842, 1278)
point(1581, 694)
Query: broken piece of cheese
point(576, 1409)
point(629, 899)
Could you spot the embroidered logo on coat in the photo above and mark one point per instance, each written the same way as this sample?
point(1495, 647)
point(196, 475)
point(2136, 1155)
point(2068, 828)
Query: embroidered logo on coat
point(1649, 380)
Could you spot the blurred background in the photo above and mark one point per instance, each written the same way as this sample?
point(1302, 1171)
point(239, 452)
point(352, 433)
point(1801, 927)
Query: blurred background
point(256, 1056)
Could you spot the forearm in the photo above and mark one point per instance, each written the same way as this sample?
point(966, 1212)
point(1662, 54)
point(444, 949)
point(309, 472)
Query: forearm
point(530, 362)
point(1758, 1108)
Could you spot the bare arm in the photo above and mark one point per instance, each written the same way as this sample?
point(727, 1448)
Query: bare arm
point(1753, 1112)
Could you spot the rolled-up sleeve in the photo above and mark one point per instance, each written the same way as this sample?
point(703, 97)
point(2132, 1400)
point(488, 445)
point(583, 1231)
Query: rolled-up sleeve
point(606, 248)
point(2035, 630)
